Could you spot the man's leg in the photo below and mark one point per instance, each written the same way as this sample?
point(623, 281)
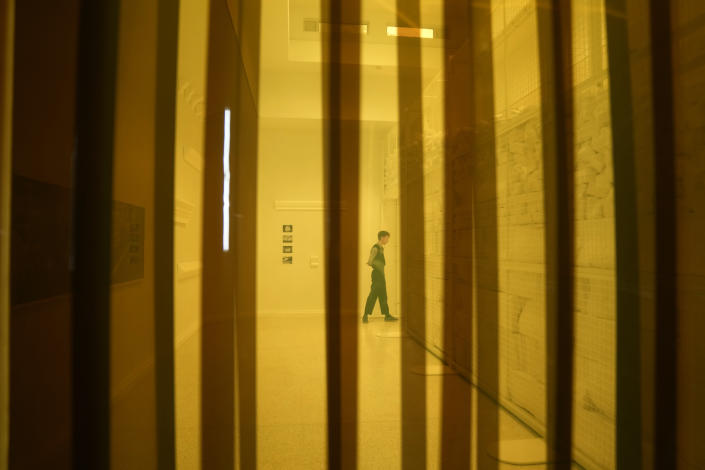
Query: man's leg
point(382, 293)
point(370, 304)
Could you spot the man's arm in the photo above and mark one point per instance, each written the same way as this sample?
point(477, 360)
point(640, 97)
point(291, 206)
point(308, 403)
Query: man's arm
point(372, 261)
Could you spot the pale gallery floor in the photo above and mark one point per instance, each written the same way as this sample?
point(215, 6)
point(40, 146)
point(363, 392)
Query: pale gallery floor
point(291, 410)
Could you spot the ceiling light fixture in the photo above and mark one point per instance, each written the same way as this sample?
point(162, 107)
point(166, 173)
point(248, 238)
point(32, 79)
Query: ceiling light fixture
point(406, 32)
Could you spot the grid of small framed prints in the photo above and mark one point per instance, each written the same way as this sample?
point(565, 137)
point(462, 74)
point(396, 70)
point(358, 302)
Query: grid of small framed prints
point(287, 244)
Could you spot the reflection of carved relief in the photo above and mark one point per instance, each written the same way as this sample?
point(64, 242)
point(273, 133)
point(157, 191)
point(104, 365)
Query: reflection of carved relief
point(183, 211)
point(193, 158)
point(194, 99)
point(188, 269)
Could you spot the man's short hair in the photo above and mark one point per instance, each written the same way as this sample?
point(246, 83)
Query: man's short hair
point(381, 234)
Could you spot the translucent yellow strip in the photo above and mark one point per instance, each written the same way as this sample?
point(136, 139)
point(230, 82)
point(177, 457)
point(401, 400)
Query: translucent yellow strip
point(7, 23)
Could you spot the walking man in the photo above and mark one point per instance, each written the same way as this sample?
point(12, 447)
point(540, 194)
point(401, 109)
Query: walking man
point(379, 283)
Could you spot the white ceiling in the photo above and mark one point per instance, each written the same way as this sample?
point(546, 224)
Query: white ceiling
point(290, 75)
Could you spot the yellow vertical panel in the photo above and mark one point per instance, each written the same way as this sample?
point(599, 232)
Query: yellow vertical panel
point(7, 23)
point(433, 126)
point(188, 225)
point(291, 354)
point(595, 276)
point(132, 379)
point(372, 146)
point(379, 210)
point(433, 167)
point(520, 203)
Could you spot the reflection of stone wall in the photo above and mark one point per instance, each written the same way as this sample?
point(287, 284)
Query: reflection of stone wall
point(521, 231)
point(522, 272)
point(520, 212)
point(520, 221)
point(595, 282)
point(434, 216)
point(521, 269)
point(434, 194)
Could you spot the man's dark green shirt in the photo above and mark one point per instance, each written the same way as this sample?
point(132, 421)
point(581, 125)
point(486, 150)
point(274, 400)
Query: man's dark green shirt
point(376, 259)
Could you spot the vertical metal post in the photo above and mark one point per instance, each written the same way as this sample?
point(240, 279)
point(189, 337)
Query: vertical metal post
point(341, 108)
point(245, 234)
point(412, 236)
point(666, 426)
point(95, 113)
point(165, 123)
point(556, 76)
point(629, 429)
point(218, 347)
point(486, 232)
point(456, 406)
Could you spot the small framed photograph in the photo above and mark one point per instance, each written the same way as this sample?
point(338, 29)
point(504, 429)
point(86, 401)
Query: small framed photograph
point(287, 228)
point(287, 260)
point(288, 238)
point(287, 249)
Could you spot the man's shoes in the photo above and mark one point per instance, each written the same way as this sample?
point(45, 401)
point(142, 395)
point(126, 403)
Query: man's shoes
point(390, 318)
point(364, 319)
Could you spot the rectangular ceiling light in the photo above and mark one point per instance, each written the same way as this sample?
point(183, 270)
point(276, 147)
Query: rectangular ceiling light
point(405, 32)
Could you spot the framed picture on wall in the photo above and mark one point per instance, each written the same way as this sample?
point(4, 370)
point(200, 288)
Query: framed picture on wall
point(287, 249)
point(287, 228)
point(287, 260)
point(288, 238)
